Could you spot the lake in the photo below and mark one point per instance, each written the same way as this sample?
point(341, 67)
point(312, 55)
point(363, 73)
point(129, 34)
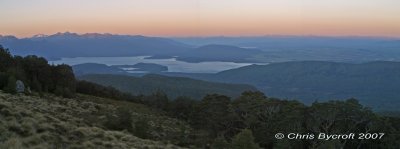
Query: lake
point(172, 64)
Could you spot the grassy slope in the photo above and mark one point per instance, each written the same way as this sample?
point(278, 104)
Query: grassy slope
point(51, 122)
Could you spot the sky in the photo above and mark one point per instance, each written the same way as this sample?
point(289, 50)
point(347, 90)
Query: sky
point(24, 18)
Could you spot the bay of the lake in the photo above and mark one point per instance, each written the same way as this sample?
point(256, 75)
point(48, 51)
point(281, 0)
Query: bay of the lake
point(172, 64)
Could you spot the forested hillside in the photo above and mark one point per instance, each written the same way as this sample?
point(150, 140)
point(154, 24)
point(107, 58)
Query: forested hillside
point(375, 84)
point(172, 86)
point(36, 74)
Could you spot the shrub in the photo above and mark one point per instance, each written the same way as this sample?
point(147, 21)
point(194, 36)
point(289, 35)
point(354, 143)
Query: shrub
point(12, 143)
point(220, 143)
point(141, 128)
point(121, 121)
point(244, 140)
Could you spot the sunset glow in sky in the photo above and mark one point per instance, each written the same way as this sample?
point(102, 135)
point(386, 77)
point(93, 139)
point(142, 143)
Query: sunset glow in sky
point(202, 17)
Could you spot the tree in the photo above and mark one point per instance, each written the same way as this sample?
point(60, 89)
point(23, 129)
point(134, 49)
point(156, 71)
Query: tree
point(268, 116)
point(37, 69)
point(336, 117)
point(36, 85)
point(158, 100)
point(64, 81)
point(251, 107)
point(215, 114)
point(3, 80)
point(11, 85)
point(5, 59)
point(244, 140)
point(182, 107)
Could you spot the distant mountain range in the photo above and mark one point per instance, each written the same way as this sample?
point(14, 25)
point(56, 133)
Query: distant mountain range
point(172, 86)
point(297, 42)
point(88, 45)
point(264, 49)
point(107, 45)
point(306, 48)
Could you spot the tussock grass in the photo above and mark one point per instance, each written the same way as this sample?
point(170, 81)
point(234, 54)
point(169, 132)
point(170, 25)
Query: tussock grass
point(54, 122)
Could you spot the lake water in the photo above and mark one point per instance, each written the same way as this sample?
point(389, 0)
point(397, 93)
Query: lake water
point(172, 64)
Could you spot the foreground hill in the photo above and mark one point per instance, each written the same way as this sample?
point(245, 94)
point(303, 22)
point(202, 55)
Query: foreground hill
point(54, 122)
point(172, 86)
point(376, 84)
point(91, 122)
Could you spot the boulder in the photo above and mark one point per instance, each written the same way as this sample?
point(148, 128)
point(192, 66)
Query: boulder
point(20, 87)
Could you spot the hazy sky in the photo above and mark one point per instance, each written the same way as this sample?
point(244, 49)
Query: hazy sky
point(202, 17)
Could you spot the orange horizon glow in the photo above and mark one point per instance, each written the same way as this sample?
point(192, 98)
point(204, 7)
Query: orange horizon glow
point(202, 17)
